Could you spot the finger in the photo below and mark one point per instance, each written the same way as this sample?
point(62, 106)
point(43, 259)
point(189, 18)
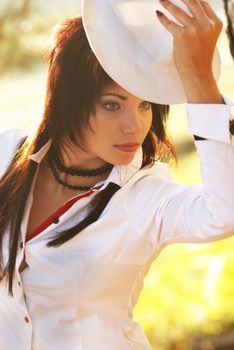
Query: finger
point(178, 13)
point(209, 11)
point(195, 8)
point(171, 26)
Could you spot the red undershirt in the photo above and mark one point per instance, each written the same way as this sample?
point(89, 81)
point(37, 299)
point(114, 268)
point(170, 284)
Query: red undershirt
point(54, 218)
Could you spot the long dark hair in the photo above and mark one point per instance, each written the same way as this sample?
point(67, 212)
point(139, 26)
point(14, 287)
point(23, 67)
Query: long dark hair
point(75, 82)
point(229, 10)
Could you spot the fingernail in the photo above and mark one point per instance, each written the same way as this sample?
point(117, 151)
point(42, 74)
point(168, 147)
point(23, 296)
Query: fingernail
point(159, 13)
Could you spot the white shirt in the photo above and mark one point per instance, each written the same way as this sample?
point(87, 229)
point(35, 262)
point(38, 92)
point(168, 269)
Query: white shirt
point(80, 296)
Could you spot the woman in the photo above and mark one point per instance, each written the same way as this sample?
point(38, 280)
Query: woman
point(85, 209)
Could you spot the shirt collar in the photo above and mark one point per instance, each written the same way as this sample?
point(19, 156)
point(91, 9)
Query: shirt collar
point(39, 155)
point(120, 174)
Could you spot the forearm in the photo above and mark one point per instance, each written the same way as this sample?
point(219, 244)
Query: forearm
point(201, 90)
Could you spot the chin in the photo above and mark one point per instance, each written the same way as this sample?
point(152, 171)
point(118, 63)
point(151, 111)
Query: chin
point(123, 160)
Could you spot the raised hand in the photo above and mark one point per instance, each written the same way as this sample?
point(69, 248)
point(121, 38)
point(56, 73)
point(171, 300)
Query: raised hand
point(194, 40)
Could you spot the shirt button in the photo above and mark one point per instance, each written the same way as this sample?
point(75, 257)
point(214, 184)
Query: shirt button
point(21, 245)
point(55, 220)
point(26, 319)
point(19, 283)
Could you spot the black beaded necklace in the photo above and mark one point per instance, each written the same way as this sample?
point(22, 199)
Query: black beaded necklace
point(79, 172)
point(56, 166)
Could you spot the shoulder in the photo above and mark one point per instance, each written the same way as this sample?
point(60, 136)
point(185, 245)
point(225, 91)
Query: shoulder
point(147, 182)
point(11, 136)
point(9, 142)
point(144, 194)
point(158, 171)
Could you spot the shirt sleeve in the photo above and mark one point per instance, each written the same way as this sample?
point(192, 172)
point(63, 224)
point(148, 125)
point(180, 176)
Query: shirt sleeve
point(203, 213)
point(211, 121)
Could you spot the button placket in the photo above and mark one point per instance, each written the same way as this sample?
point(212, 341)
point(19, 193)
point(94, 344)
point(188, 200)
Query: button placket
point(21, 258)
point(55, 220)
point(26, 319)
point(232, 125)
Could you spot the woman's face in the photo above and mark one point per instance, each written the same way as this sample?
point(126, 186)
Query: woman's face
point(120, 119)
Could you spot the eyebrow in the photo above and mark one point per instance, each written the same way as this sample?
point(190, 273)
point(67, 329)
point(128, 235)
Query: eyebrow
point(116, 95)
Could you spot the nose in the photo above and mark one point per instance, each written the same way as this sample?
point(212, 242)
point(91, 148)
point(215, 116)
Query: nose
point(132, 123)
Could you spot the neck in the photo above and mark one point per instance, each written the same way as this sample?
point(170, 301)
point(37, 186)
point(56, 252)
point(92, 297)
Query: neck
point(69, 172)
point(73, 180)
point(80, 159)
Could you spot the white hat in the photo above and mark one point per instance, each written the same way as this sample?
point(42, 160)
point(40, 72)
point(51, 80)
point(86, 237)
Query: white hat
point(134, 49)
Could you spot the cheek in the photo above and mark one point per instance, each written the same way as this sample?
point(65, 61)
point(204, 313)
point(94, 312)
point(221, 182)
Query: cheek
point(106, 127)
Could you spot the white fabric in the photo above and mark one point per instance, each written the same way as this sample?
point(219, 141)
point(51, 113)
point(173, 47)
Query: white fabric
point(127, 34)
point(80, 296)
point(208, 126)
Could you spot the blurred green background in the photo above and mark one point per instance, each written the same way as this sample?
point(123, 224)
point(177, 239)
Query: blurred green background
point(188, 296)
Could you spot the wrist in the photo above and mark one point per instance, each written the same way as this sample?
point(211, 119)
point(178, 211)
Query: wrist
point(201, 90)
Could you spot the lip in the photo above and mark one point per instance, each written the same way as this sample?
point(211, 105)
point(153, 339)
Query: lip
point(129, 144)
point(128, 147)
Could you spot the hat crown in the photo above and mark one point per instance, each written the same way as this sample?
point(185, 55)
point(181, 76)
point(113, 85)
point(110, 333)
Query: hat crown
point(138, 17)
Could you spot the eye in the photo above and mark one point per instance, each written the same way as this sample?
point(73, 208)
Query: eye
point(146, 105)
point(111, 106)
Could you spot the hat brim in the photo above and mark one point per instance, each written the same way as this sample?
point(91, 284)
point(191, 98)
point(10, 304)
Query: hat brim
point(134, 49)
